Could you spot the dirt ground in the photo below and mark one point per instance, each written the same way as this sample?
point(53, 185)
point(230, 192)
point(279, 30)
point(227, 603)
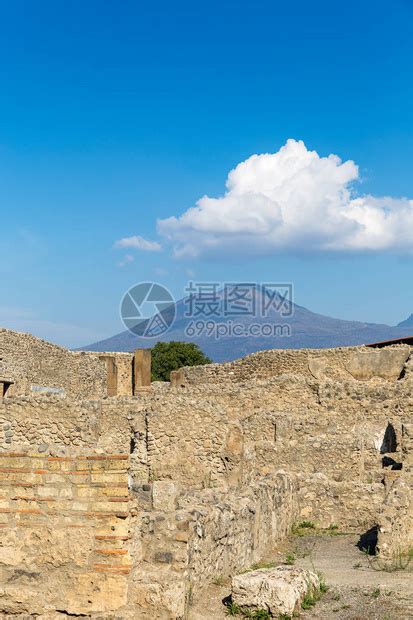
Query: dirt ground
point(357, 587)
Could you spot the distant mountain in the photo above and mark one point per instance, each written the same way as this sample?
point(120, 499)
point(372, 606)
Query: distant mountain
point(407, 323)
point(307, 330)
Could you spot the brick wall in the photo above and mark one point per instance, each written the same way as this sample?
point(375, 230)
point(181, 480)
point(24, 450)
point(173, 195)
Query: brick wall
point(64, 525)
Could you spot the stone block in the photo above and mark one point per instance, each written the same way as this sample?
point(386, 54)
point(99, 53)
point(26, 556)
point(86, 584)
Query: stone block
point(278, 590)
point(142, 368)
point(46, 491)
point(164, 494)
point(94, 593)
point(386, 363)
point(177, 378)
point(160, 600)
point(112, 478)
point(115, 491)
point(165, 557)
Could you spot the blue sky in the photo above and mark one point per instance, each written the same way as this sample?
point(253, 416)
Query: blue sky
point(116, 115)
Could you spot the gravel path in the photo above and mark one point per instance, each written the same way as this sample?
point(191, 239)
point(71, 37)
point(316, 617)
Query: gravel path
point(357, 589)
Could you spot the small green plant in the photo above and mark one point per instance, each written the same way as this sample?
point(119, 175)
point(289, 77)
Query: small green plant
point(190, 594)
point(323, 587)
point(307, 525)
point(333, 530)
point(308, 602)
point(399, 561)
point(284, 617)
point(313, 596)
point(257, 614)
point(376, 593)
point(260, 614)
point(289, 559)
point(311, 599)
point(232, 609)
point(302, 528)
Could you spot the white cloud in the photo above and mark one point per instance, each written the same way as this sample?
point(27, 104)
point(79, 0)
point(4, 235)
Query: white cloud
point(292, 200)
point(126, 260)
point(138, 243)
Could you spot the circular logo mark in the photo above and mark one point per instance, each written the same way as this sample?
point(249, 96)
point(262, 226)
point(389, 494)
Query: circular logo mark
point(148, 310)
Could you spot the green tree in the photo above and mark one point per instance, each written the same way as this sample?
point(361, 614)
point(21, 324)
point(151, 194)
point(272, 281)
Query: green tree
point(167, 356)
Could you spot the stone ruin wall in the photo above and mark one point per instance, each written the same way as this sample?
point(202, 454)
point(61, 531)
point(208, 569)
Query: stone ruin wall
point(33, 365)
point(139, 543)
point(395, 535)
point(328, 434)
point(210, 475)
point(343, 362)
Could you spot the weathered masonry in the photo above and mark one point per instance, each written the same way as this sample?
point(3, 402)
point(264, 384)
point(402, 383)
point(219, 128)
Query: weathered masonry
point(29, 365)
point(122, 499)
point(66, 518)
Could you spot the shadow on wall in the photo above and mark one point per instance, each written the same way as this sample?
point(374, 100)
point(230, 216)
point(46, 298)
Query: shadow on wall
point(387, 461)
point(389, 443)
point(368, 541)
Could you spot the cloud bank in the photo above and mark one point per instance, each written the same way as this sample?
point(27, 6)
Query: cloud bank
point(290, 201)
point(138, 243)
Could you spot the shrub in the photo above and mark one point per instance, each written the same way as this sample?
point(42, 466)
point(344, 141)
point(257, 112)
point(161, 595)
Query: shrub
point(167, 356)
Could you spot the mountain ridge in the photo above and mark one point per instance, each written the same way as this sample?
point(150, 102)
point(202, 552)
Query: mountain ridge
point(407, 322)
point(307, 329)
